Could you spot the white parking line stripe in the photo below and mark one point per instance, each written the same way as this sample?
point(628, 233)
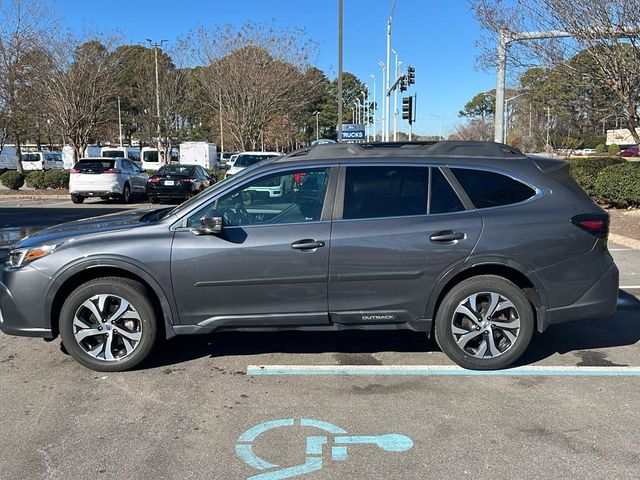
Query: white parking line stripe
point(622, 250)
point(446, 370)
point(629, 287)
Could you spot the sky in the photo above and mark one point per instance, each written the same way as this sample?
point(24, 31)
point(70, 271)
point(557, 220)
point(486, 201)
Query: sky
point(437, 37)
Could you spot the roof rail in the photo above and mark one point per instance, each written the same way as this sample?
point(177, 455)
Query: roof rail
point(445, 148)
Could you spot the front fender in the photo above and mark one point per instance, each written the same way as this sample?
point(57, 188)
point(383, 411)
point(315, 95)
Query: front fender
point(132, 266)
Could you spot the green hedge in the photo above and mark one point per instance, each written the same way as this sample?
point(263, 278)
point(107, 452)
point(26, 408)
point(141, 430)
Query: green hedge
point(619, 185)
point(585, 170)
point(12, 180)
point(56, 179)
point(35, 180)
point(41, 180)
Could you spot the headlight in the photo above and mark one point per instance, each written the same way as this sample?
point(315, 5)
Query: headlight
point(22, 256)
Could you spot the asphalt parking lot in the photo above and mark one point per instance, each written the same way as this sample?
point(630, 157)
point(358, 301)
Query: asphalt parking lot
point(382, 405)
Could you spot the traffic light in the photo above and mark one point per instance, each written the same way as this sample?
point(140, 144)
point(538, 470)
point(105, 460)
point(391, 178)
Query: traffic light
point(403, 83)
point(407, 109)
point(411, 74)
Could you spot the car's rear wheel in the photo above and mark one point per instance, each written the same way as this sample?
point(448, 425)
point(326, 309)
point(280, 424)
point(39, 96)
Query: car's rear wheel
point(126, 194)
point(77, 198)
point(108, 324)
point(484, 323)
point(154, 199)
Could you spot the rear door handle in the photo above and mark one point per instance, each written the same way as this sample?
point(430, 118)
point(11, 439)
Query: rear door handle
point(307, 244)
point(446, 236)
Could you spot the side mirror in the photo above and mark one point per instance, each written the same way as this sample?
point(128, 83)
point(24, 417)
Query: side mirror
point(210, 223)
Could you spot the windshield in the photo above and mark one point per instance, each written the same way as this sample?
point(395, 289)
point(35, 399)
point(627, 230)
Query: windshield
point(177, 170)
point(151, 157)
point(112, 153)
point(245, 160)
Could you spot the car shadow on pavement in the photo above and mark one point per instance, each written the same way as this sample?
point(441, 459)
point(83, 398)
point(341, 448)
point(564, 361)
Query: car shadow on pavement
point(620, 329)
point(617, 330)
point(226, 344)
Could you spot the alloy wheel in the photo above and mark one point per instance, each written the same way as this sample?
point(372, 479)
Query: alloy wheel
point(485, 325)
point(107, 327)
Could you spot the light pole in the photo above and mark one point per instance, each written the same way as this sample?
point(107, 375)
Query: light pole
point(155, 47)
point(365, 111)
point(507, 115)
point(384, 105)
point(395, 102)
point(317, 114)
point(340, 23)
point(386, 83)
point(375, 106)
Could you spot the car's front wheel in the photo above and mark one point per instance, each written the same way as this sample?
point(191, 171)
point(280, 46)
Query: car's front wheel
point(108, 324)
point(484, 323)
point(77, 198)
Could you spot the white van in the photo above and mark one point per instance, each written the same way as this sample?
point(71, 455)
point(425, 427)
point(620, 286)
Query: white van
point(199, 153)
point(41, 161)
point(132, 153)
point(150, 160)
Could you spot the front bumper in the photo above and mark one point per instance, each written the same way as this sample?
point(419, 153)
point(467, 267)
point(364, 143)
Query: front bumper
point(22, 310)
point(600, 300)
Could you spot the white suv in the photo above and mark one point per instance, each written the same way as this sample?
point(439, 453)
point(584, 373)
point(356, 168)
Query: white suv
point(106, 178)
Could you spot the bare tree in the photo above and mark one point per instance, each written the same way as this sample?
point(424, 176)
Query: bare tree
point(79, 88)
point(254, 76)
point(605, 32)
point(477, 128)
point(24, 24)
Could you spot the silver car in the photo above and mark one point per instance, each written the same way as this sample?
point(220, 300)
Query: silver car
point(106, 178)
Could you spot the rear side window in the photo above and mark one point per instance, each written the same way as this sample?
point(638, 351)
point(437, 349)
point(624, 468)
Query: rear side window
point(375, 192)
point(490, 189)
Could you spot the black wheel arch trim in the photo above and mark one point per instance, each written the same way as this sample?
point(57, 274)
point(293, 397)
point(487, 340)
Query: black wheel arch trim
point(540, 305)
point(167, 302)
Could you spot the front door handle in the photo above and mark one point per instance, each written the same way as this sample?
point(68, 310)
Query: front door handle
point(446, 236)
point(307, 244)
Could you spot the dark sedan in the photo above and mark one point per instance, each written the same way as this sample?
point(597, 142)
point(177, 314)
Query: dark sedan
point(177, 182)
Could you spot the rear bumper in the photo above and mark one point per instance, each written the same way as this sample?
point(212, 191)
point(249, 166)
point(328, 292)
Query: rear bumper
point(22, 304)
point(172, 192)
point(600, 300)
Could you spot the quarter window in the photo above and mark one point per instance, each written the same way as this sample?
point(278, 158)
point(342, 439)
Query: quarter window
point(389, 191)
point(443, 197)
point(490, 189)
point(286, 197)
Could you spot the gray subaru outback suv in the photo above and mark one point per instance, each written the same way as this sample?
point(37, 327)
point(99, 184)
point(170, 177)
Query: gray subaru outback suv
point(472, 243)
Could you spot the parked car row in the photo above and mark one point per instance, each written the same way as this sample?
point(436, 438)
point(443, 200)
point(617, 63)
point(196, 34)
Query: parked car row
point(118, 177)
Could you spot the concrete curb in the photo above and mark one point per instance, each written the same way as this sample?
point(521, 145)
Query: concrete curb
point(26, 196)
point(626, 241)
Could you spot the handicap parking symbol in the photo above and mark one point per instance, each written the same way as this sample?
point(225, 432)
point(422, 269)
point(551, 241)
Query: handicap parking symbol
point(335, 438)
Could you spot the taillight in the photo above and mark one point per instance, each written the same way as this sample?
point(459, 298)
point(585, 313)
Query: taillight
point(74, 170)
point(596, 224)
point(112, 170)
point(154, 180)
point(186, 180)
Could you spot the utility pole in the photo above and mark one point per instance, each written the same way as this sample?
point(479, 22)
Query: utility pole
point(317, 114)
point(388, 73)
point(548, 146)
point(375, 106)
point(383, 96)
point(220, 115)
point(340, 22)
point(119, 122)
point(365, 111)
point(155, 47)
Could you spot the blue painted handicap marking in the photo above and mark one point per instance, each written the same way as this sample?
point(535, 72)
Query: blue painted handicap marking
point(315, 446)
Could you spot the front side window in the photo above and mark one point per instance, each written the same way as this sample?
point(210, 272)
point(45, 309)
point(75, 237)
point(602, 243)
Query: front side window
point(389, 191)
point(490, 189)
point(286, 197)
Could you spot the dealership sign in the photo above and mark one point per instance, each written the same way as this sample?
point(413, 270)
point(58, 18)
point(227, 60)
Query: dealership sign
point(353, 131)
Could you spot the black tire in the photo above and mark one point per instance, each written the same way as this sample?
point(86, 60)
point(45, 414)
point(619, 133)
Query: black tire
point(126, 194)
point(477, 285)
point(154, 199)
point(77, 199)
point(131, 291)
